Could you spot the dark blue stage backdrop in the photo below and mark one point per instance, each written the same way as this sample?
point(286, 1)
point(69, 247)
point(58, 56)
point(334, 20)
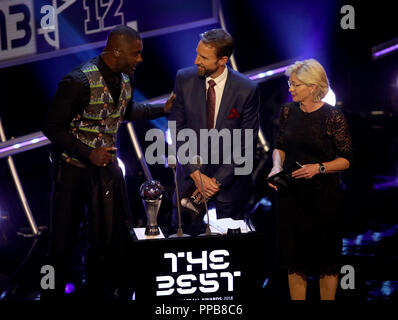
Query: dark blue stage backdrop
point(39, 29)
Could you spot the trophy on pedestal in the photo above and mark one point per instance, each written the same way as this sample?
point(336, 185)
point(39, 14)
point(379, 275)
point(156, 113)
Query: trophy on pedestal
point(151, 192)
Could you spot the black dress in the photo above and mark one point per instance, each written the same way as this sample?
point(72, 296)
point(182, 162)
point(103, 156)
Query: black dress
point(309, 220)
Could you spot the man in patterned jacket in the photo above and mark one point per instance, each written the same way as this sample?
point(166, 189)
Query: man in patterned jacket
point(82, 126)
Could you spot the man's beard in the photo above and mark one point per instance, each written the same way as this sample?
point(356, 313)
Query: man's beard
point(203, 72)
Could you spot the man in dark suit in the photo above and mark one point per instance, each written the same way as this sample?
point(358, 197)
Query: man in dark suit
point(213, 96)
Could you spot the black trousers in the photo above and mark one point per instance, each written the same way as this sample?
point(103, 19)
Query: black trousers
point(97, 195)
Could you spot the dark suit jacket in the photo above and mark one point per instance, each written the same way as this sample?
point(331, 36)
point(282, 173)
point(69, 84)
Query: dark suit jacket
point(189, 111)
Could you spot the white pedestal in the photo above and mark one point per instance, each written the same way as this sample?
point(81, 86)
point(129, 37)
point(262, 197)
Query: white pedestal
point(140, 234)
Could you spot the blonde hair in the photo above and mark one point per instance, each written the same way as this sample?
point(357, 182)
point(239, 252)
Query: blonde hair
point(311, 72)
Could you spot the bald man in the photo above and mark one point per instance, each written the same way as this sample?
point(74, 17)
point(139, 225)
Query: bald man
point(90, 104)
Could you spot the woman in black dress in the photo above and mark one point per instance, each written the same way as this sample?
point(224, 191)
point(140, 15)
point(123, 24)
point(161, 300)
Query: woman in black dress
point(316, 135)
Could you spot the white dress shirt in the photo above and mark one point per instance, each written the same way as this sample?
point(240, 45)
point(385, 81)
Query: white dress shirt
point(219, 89)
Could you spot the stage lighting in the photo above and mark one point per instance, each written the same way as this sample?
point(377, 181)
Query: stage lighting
point(122, 166)
point(376, 236)
point(346, 244)
point(265, 282)
point(260, 75)
point(167, 136)
point(385, 48)
point(21, 144)
point(385, 51)
point(386, 288)
point(358, 240)
point(69, 288)
point(158, 100)
point(330, 98)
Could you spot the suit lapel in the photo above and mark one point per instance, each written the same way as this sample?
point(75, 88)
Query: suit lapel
point(226, 101)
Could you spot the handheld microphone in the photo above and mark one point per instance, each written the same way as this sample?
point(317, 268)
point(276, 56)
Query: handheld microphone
point(188, 204)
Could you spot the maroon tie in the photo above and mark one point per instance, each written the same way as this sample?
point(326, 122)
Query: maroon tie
point(211, 104)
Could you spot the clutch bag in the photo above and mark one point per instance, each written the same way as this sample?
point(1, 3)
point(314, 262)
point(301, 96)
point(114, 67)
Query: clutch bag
point(284, 178)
